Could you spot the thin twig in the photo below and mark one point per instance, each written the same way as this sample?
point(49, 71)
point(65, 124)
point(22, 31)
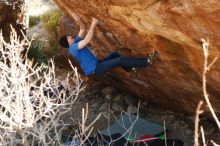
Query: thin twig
point(30, 101)
point(206, 68)
point(196, 131)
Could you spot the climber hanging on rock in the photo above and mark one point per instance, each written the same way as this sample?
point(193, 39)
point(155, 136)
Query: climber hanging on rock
point(89, 63)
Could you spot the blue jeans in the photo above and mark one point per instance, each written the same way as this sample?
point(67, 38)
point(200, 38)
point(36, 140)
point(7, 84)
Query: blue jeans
point(114, 59)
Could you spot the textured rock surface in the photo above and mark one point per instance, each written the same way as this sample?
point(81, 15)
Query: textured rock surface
point(11, 14)
point(136, 27)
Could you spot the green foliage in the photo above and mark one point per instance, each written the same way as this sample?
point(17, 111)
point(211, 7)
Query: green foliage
point(52, 46)
point(51, 19)
point(35, 52)
point(33, 20)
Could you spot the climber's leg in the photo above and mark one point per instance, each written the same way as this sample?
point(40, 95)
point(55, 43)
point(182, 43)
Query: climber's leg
point(124, 62)
point(129, 62)
point(112, 55)
point(104, 66)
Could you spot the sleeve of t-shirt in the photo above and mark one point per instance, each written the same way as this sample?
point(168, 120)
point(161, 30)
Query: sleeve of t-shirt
point(77, 39)
point(73, 49)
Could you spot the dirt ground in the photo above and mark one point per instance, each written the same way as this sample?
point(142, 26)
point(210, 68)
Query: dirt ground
point(179, 126)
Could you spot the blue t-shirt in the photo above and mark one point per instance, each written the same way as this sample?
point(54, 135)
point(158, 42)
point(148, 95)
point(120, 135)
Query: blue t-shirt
point(86, 59)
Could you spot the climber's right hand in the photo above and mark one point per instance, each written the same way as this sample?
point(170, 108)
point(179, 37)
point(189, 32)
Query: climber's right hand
point(94, 21)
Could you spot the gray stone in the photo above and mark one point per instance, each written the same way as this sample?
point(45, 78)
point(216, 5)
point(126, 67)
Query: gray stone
point(132, 109)
point(38, 31)
point(119, 98)
point(96, 105)
point(104, 107)
point(170, 119)
point(108, 96)
point(144, 105)
point(105, 113)
point(210, 131)
point(117, 107)
point(188, 132)
point(130, 100)
point(107, 90)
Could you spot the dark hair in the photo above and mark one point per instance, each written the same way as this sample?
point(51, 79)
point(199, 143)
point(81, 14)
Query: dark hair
point(64, 42)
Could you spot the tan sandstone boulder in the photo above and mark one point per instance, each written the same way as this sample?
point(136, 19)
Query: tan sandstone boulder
point(174, 28)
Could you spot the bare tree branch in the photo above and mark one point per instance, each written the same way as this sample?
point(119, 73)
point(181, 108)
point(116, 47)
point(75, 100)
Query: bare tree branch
point(30, 99)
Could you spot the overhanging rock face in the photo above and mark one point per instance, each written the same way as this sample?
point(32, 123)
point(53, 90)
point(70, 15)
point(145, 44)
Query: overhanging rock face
point(174, 28)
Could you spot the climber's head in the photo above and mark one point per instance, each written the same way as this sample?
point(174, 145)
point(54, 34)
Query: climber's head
point(66, 41)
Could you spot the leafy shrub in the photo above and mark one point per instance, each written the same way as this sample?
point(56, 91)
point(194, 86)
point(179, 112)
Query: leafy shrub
point(52, 46)
point(33, 20)
point(51, 19)
point(35, 52)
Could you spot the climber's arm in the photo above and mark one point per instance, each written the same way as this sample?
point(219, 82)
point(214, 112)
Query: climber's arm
point(81, 25)
point(82, 30)
point(89, 35)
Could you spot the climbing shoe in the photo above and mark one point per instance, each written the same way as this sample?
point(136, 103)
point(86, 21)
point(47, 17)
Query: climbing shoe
point(152, 57)
point(133, 72)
